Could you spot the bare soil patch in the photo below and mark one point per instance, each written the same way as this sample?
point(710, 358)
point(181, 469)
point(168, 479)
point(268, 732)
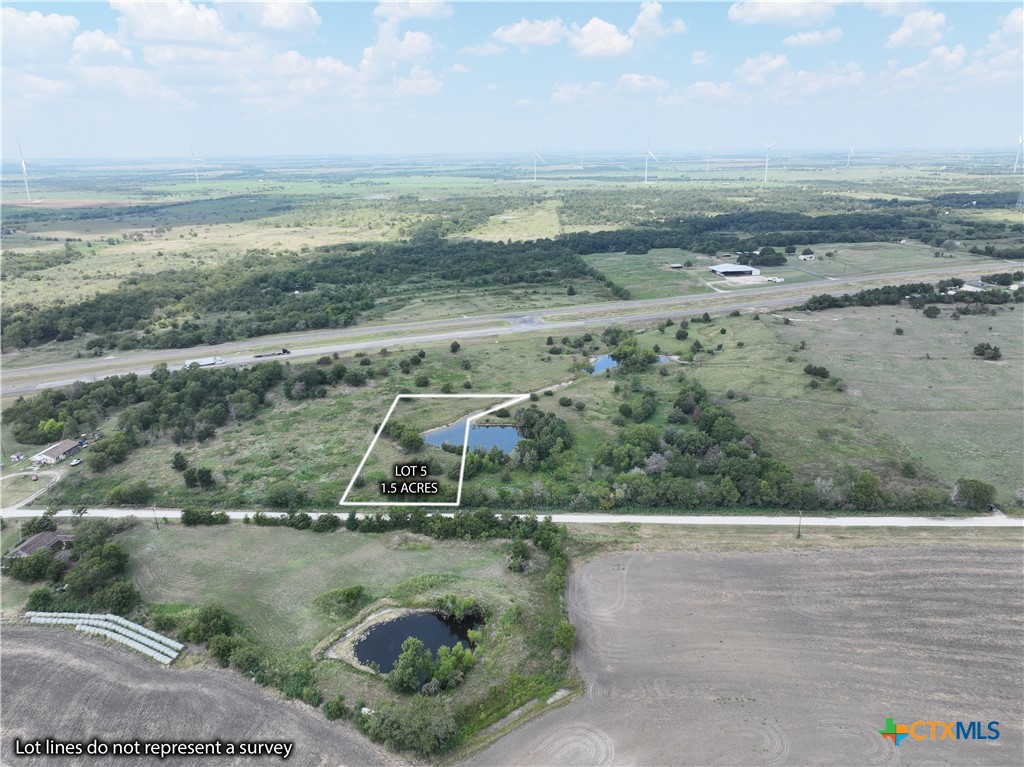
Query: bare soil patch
point(57, 684)
point(788, 657)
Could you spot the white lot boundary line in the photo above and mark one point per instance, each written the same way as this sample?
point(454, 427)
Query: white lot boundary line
point(511, 399)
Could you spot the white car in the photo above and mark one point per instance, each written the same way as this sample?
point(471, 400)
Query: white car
point(76, 462)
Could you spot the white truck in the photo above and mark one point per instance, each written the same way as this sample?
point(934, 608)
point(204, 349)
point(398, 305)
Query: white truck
point(205, 362)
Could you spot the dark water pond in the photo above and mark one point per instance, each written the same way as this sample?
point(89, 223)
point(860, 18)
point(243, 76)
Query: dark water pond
point(605, 362)
point(383, 643)
point(486, 437)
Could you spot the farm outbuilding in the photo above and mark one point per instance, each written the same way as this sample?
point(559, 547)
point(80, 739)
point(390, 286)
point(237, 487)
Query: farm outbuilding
point(54, 541)
point(734, 270)
point(58, 452)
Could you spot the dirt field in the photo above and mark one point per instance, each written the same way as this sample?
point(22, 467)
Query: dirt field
point(71, 688)
point(787, 658)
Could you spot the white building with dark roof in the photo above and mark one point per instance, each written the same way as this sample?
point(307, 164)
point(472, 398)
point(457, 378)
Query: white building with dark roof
point(58, 452)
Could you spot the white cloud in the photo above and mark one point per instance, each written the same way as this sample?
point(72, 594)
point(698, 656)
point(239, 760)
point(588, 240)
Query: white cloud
point(803, 83)
point(42, 87)
point(525, 33)
point(492, 87)
point(1000, 58)
point(96, 46)
point(700, 59)
point(934, 71)
point(598, 38)
point(32, 35)
point(134, 83)
point(754, 71)
point(575, 92)
point(420, 82)
point(919, 30)
point(648, 23)
point(457, 69)
point(637, 82)
point(816, 38)
point(790, 13)
point(395, 10)
point(894, 7)
point(390, 48)
point(289, 16)
point(169, 20)
point(489, 48)
point(705, 89)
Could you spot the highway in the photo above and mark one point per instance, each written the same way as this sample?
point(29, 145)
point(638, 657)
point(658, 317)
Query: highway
point(989, 520)
point(25, 380)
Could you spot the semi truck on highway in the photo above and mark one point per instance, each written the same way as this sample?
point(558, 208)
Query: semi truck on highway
point(204, 362)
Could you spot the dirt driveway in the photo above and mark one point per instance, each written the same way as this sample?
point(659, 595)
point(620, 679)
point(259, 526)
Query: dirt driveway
point(787, 658)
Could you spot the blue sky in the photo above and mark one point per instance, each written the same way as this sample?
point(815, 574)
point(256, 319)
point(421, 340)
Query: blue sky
point(147, 79)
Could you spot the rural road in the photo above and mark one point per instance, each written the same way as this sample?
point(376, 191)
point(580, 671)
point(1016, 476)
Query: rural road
point(989, 520)
point(25, 380)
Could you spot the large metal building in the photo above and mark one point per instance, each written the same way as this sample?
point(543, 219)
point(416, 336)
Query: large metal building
point(734, 270)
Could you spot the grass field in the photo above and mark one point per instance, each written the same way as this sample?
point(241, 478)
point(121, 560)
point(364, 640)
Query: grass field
point(318, 444)
point(269, 578)
point(957, 414)
point(648, 275)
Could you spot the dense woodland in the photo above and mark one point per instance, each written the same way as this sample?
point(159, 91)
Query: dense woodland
point(265, 293)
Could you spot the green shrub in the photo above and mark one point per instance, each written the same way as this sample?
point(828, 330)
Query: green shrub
point(341, 603)
point(335, 709)
point(205, 622)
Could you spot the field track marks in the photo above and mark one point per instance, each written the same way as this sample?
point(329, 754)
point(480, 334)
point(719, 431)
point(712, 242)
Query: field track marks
point(574, 743)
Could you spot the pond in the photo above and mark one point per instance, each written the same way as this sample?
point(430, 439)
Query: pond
point(383, 642)
point(605, 362)
point(480, 436)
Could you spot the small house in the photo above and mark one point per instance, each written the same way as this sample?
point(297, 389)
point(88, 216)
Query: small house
point(58, 452)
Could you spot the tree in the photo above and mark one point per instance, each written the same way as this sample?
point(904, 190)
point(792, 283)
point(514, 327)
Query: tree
point(988, 351)
point(571, 291)
point(807, 252)
point(422, 381)
point(179, 462)
point(931, 312)
point(565, 636)
point(455, 346)
point(973, 494)
point(286, 495)
point(410, 441)
point(412, 667)
point(865, 492)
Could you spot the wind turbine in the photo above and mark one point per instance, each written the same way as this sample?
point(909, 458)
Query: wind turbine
point(535, 158)
point(767, 154)
point(195, 164)
point(849, 155)
point(707, 161)
point(581, 160)
point(25, 170)
point(648, 154)
point(1016, 160)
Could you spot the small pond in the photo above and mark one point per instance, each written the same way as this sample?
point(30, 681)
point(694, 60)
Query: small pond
point(383, 642)
point(605, 362)
point(480, 436)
